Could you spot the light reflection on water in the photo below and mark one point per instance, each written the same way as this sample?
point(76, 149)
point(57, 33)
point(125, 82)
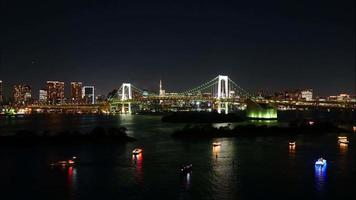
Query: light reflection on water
point(243, 164)
point(292, 150)
point(137, 161)
point(72, 181)
point(216, 151)
point(320, 177)
point(223, 125)
point(343, 148)
point(187, 180)
point(223, 170)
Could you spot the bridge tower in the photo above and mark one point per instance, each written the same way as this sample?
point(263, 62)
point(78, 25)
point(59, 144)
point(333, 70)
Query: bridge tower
point(223, 87)
point(126, 92)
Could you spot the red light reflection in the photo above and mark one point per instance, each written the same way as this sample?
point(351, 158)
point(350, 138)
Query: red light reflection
point(138, 162)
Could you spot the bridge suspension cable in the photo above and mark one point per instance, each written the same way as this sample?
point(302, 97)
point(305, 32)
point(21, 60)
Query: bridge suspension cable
point(221, 87)
point(239, 89)
point(201, 87)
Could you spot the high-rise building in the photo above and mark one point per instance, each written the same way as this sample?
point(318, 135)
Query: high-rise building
point(88, 94)
point(76, 92)
point(100, 98)
point(42, 98)
point(55, 92)
point(1, 93)
point(161, 91)
point(22, 94)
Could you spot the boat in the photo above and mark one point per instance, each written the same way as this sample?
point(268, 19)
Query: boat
point(216, 144)
point(292, 144)
point(136, 151)
point(64, 163)
point(187, 169)
point(343, 140)
point(320, 162)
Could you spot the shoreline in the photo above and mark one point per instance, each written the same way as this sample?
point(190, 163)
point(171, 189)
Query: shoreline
point(98, 135)
point(293, 129)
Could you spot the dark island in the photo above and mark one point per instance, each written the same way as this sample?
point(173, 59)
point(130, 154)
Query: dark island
point(97, 136)
point(294, 128)
point(201, 117)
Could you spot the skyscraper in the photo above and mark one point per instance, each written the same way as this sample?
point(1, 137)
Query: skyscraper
point(42, 96)
point(1, 93)
point(22, 94)
point(76, 92)
point(55, 92)
point(161, 91)
point(88, 94)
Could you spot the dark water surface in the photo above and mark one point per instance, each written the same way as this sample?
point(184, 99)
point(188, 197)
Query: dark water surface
point(258, 168)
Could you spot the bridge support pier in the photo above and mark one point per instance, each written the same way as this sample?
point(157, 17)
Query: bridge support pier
point(223, 106)
point(126, 108)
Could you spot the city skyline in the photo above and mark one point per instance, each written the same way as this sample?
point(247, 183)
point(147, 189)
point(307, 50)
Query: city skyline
point(78, 86)
point(74, 92)
point(273, 46)
point(177, 99)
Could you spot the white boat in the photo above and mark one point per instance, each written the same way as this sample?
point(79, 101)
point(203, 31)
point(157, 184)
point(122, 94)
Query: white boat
point(136, 151)
point(320, 162)
point(292, 144)
point(343, 140)
point(216, 144)
point(187, 168)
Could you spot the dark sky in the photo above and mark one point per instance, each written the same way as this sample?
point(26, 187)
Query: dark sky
point(268, 45)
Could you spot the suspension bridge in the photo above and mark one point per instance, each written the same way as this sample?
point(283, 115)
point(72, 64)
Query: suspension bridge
point(220, 94)
point(215, 94)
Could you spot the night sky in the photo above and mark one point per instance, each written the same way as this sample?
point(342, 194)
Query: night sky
point(269, 45)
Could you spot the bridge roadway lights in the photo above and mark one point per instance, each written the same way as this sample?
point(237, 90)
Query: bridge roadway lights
point(121, 107)
point(223, 87)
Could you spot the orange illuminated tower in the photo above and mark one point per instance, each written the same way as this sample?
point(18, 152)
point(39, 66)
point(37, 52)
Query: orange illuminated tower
point(76, 92)
point(55, 92)
point(22, 94)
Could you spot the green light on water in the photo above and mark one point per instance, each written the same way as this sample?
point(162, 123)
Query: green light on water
point(263, 114)
point(257, 112)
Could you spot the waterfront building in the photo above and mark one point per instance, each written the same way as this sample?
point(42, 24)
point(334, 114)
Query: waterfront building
point(55, 92)
point(307, 94)
point(88, 94)
point(340, 98)
point(294, 95)
point(22, 94)
point(145, 93)
point(100, 98)
point(42, 98)
point(343, 97)
point(76, 92)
